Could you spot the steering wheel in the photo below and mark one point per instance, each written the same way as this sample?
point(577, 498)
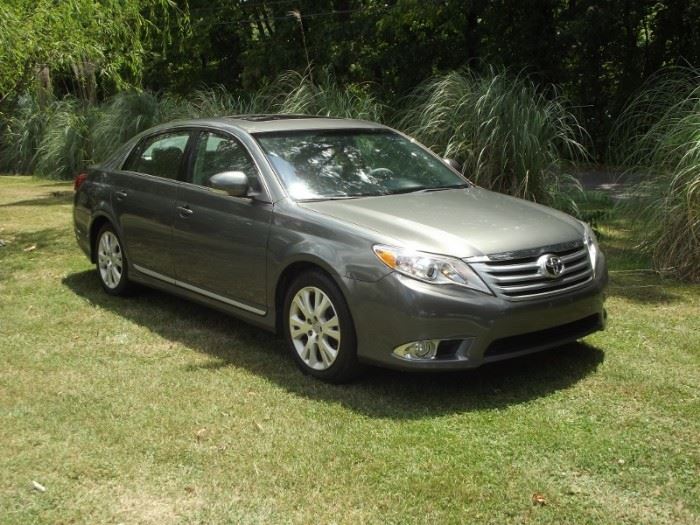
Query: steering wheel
point(381, 172)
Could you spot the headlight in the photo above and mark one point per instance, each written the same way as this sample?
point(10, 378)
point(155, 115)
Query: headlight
point(429, 268)
point(591, 243)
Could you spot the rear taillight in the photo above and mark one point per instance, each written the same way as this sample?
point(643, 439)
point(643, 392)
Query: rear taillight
point(79, 179)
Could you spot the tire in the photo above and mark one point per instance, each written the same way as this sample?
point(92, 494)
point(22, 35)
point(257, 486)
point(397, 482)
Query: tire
point(320, 332)
point(111, 263)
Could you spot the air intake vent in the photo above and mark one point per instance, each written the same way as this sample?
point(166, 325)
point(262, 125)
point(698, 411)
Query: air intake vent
point(542, 338)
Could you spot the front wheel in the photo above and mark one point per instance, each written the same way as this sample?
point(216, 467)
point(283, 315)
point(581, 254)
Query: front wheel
point(111, 262)
point(319, 329)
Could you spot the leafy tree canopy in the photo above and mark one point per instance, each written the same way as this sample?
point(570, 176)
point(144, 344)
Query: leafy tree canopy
point(85, 40)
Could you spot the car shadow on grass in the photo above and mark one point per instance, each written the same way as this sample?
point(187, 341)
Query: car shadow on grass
point(25, 250)
point(377, 393)
point(53, 198)
point(643, 287)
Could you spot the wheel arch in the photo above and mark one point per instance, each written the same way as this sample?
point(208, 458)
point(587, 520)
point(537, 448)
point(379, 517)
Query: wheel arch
point(95, 226)
point(99, 219)
point(287, 276)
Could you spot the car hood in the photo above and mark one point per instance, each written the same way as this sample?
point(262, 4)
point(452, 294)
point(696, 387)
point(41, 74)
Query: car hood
point(460, 222)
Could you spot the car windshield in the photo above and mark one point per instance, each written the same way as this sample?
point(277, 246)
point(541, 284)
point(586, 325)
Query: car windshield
point(319, 165)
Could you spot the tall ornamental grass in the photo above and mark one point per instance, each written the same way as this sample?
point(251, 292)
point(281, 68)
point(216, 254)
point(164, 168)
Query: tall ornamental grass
point(295, 93)
point(219, 102)
point(23, 127)
point(509, 136)
point(66, 144)
point(129, 113)
point(63, 137)
point(659, 134)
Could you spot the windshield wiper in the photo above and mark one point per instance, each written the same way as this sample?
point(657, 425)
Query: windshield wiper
point(340, 197)
point(412, 189)
point(423, 189)
point(440, 188)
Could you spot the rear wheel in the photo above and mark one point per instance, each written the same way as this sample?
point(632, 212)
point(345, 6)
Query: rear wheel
point(319, 328)
point(112, 267)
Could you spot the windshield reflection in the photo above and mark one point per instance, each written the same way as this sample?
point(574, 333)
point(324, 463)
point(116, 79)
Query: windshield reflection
point(317, 165)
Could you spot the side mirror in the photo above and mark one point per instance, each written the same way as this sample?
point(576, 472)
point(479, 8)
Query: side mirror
point(452, 163)
point(233, 183)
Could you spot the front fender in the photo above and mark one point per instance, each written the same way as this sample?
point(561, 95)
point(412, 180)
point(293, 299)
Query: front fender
point(300, 236)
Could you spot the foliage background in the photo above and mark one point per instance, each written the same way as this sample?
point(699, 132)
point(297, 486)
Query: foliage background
point(598, 53)
point(516, 91)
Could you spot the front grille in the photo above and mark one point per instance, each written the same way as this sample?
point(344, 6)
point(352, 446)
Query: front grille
point(517, 276)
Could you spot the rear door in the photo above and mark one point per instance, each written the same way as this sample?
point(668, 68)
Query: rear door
point(220, 242)
point(144, 200)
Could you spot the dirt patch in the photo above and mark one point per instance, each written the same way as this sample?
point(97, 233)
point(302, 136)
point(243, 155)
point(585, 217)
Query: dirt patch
point(144, 508)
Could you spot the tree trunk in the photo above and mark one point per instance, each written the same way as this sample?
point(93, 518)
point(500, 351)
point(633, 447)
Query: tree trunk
point(44, 86)
point(86, 80)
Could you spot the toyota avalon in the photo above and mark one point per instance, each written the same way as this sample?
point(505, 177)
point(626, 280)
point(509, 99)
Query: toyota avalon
point(351, 240)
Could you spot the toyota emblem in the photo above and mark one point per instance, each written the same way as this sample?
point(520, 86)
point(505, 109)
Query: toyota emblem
point(550, 265)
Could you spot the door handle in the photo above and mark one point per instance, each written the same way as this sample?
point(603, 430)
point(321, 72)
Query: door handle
point(121, 195)
point(185, 211)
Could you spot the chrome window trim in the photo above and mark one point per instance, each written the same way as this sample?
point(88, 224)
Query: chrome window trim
point(200, 291)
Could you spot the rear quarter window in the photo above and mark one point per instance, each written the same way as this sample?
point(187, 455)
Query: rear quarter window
point(160, 156)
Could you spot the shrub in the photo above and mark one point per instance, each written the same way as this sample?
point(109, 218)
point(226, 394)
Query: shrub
point(24, 127)
point(508, 135)
point(296, 93)
point(124, 116)
point(62, 137)
point(66, 146)
point(659, 134)
point(219, 102)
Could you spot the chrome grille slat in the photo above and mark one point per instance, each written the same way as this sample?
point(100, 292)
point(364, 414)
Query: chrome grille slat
point(573, 256)
point(541, 295)
point(575, 267)
point(503, 268)
point(505, 280)
point(516, 278)
point(546, 284)
point(522, 278)
point(508, 281)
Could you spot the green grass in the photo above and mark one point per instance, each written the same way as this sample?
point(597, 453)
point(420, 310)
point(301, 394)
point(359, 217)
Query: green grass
point(156, 410)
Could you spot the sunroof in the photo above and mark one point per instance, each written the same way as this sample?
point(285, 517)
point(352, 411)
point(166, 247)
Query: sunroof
point(269, 117)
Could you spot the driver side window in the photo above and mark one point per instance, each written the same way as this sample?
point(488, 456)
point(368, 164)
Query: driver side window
point(217, 153)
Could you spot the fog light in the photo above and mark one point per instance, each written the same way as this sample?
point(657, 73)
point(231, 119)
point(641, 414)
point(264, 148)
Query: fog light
point(423, 350)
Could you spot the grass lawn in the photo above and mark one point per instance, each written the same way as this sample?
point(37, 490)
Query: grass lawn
point(156, 410)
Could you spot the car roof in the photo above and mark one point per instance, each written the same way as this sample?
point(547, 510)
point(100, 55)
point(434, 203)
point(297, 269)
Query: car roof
point(266, 123)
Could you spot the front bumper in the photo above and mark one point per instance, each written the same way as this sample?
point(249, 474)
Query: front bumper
point(480, 328)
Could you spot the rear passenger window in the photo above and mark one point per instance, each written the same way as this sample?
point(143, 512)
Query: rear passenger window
point(215, 154)
point(160, 155)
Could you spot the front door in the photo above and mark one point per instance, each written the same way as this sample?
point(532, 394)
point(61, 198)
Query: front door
point(143, 199)
point(220, 242)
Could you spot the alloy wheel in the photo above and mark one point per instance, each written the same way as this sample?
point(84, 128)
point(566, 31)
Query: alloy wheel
point(314, 327)
point(110, 260)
